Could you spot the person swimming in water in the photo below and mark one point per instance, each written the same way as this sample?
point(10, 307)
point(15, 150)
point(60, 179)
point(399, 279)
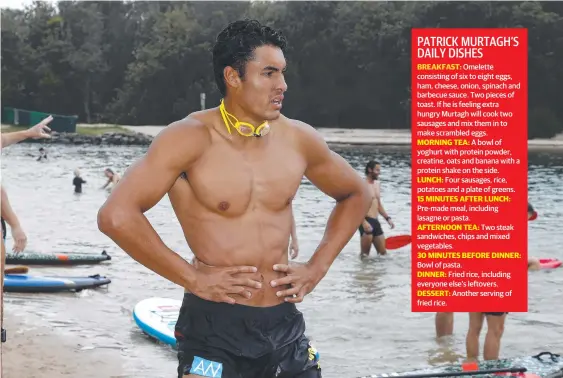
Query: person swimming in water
point(42, 154)
point(113, 178)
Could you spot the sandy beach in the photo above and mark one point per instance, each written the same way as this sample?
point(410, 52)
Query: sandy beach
point(36, 350)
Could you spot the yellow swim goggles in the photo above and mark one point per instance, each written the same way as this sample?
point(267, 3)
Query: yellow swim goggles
point(244, 128)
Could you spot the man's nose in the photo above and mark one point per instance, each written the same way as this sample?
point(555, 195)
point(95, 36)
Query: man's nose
point(282, 85)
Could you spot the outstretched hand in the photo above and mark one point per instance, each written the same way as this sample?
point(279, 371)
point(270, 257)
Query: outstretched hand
point(41, 129)
point(218, 284)
point(301, 277)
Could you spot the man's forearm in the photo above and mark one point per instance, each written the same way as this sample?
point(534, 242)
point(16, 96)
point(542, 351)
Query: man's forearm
point(15, 137)
point(7, 212)
point(139, 240)
point(344, 220)
point(382, 210)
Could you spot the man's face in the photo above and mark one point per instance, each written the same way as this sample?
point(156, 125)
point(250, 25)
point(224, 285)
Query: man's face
point(261, 90)
point(375, 172)
point(108, 174)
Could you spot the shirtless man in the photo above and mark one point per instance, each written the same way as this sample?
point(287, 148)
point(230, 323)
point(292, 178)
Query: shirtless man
point(238, 317)
point(113, 178)
point(370, 229)
point(38, 131)
point(10, 217)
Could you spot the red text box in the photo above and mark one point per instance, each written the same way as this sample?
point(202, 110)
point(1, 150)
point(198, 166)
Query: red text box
point(469, 170)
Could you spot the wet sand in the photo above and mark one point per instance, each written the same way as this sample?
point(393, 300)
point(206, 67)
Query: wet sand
point(35, 350)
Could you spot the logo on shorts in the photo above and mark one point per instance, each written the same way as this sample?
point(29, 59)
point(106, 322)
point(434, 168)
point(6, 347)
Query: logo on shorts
point(206, 368)
point(314, 355)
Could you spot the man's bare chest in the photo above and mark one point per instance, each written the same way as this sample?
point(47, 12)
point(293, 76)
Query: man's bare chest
point(233, 182)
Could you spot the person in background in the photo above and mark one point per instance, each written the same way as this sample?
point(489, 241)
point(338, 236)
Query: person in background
point(444, 321)
point(113, 178)
point(531, 211)
point(42, 154)
point(10, 217)
point(38, 131)
point(78, 181)
point(495, 329)
point(370, 229)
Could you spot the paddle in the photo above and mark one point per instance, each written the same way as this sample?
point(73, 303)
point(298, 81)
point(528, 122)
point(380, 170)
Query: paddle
point(20, 269)
point(396, 242)
point(457, 374)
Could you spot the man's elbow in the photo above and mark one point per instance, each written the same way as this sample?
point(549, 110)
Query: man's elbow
point(110, 219)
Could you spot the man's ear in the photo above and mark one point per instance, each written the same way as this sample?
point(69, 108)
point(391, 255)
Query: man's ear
point(232, 78)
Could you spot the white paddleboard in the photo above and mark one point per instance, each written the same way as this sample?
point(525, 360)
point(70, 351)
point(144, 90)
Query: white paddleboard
point(157, 318)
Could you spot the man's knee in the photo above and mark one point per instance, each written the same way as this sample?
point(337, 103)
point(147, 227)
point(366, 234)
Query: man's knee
point(495, 327)
point(379, 244)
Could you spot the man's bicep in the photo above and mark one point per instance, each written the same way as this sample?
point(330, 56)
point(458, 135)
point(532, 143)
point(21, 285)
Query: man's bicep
point(144, 184)
point(146, 181)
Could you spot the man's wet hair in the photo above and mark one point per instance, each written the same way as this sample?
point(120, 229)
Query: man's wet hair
point(235, 46)
point(371, 165)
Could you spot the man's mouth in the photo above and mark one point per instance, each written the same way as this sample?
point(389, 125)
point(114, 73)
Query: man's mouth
point(277, 100)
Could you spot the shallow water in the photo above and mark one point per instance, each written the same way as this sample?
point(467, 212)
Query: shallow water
point(359, 316)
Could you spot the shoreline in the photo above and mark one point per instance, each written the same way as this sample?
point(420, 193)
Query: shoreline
point(340, 138)
point(34, 349)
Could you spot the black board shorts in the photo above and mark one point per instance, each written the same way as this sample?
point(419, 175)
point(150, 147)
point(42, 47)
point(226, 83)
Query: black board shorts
point(375, 225)
point(495, 313)
point(221, 340)
point(4, 230)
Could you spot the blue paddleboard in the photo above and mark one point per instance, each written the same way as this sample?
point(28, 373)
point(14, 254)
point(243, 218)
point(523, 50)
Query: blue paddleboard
point(24, 283)
point(157, 318)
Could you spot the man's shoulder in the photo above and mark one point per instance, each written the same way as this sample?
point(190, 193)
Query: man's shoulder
point(305, 132)
point(193, 123)
point(190, 129)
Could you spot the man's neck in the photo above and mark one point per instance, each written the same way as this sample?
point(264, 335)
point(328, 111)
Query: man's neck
point(239, 113)
point(370, 179)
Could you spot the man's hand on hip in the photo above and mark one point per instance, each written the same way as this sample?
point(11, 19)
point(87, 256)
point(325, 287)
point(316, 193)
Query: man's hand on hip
point(302, 277)
point(217, 284)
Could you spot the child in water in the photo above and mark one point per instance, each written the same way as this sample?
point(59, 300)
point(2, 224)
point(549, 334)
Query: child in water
point(78, 181)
